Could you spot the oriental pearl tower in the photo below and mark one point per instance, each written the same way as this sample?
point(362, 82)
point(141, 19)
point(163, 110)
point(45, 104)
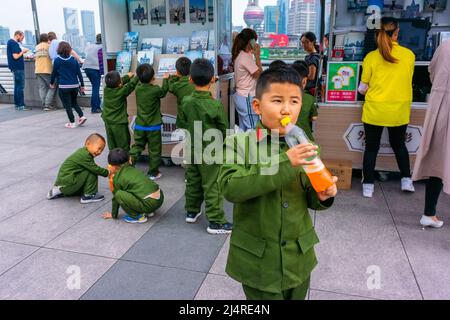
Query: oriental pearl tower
point(254, 15)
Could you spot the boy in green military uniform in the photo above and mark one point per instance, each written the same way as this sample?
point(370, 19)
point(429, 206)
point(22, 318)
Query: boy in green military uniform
point(271, 251)
point(138, 196)
point(78, 175)
point(115, 113)
point(147, 130)
point(309, 106)
point(180, 85)
point(202, 111)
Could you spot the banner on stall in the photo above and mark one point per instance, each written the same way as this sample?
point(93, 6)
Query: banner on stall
point(342, 82)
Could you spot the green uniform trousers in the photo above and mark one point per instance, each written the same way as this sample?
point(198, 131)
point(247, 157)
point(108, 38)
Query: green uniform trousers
point(86, 183)
point(134, 206)
point(298, 293)
point(202, 185)
point(118, 136)
point(154, 142)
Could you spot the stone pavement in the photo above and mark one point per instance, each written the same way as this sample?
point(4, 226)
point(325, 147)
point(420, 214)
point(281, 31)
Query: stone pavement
point(44, 244)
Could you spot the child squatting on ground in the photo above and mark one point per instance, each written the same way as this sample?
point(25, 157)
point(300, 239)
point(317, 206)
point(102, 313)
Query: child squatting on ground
point(272, 244)
point(147, 130)
point(115, 113)
point(201, 110)
point(138, 196)
point(79, 174)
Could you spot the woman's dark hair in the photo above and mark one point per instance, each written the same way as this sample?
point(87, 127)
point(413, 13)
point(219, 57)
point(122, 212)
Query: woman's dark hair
point(312, 38)
point(64, 49)
point(241, 41)
point(384, 38)
point(43, 37)
point(118, 157)
point(145, 73)
point(277, 75)
point(98, 38)
point(52, 36)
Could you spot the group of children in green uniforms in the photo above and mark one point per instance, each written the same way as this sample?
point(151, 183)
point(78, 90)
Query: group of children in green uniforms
point(272, 243)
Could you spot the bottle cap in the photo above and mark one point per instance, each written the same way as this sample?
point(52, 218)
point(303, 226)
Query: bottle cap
point(285, 121)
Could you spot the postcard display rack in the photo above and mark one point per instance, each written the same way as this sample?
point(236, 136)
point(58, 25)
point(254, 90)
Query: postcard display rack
point(339, 129)
point(159, 32)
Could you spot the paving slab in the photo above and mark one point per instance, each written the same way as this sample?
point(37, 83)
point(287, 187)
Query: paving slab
point(52, 275)
point(13, 253)
point(217, 287)
point(136, 281)
point(325, 295)
point(221, 260)
point(45, 221)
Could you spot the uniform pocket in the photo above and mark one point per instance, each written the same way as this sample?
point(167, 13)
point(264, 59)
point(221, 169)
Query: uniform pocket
point(307, 241)
point(249, 243)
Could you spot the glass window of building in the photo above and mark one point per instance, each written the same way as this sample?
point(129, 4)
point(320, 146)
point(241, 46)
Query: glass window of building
point(76, 22)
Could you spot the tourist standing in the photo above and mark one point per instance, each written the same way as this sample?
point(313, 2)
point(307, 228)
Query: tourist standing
point(93, 67)
point(247, 69)
point(433, 157)
point(309, 44)
point(16, 64)
point(43, 71)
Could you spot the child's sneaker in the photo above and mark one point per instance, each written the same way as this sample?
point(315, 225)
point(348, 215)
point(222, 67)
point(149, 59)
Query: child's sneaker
point(82, 121)
point(70, 125)
point(92, 198)
point(140, 219)
point(192, 217)
point(215, 228)
point(54, 193)
point(157, 177)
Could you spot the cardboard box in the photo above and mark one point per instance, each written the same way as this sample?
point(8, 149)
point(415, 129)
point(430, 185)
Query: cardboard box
point(341, 169)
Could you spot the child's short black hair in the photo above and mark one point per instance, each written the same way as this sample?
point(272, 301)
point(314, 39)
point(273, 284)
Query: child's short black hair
point(112, 79)
point(277, 75)
point(277, 64)
point(145, 73)
point(118, 157)
point(202, 72)
point(301, 67)
point(183, 66)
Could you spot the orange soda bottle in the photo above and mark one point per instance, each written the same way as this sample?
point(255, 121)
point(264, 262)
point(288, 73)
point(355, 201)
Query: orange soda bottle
point(321, 179)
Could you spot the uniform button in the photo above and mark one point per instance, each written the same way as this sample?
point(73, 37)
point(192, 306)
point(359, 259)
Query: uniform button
point(285, 205)
point(283, 243)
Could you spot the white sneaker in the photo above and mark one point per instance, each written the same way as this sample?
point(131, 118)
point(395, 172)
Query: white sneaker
point(71, 125)
point(429, 222)
point(407, 185)
point(82, 121)
point(368, 189)
point(54, 193)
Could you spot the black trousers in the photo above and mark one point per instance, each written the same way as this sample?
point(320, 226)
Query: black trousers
point(397, 141)
point(69, 101)
point(432, 192)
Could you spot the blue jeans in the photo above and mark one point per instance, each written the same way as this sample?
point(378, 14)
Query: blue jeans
point(19, 87)
point(248, 119)
point(95, 79)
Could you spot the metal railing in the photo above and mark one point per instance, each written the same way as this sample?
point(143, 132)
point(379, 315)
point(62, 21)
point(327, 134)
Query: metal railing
point(7, 81)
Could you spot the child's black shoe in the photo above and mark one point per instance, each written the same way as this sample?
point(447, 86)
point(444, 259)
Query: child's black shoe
point(215, 228)
point(92, 198)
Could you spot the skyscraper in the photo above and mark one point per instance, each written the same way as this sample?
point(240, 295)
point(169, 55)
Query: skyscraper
point(271, 19)
point(283, 6)
point(4, 35)
point(71, 22)
point(30, 39)
point(303, 17)
point(88, 24)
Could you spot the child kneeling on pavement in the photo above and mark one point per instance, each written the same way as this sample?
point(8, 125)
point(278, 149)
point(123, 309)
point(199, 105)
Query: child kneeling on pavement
point(138, 196)
point(78, 175)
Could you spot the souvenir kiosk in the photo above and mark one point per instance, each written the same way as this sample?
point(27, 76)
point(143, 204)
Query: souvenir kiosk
point(158, 32)
point(339, 130)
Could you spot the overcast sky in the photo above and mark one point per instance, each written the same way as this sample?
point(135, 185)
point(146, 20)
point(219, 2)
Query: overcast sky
point(17, 15)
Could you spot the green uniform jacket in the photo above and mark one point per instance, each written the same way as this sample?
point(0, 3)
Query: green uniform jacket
point(78, 162)
point(202, 107)
point(134, 181)
point(309, 110)
point(272, 244)
point(115, 101)
point(180, 87)
point(148, 99)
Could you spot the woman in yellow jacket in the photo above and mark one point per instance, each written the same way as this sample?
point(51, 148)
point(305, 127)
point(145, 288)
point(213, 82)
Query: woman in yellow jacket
point(387, 83)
